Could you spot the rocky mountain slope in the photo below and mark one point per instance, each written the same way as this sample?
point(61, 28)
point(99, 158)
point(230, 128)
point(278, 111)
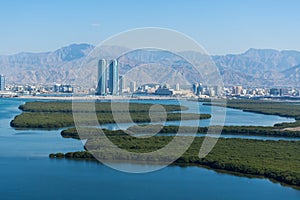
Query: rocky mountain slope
point(255, 67)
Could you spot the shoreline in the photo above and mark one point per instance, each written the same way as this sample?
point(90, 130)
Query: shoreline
point(210, 166)
point(92, 97)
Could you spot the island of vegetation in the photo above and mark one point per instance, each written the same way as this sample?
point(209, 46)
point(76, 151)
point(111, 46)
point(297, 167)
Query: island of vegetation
point(149, 129)
point(50, 115)
point(277, 160)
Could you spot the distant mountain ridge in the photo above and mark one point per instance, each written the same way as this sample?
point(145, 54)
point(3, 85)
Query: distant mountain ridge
point(266, 67)
point(49, 67)
point(254, 68)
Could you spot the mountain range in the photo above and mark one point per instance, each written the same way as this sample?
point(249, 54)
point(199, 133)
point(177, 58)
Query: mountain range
point(253, 68)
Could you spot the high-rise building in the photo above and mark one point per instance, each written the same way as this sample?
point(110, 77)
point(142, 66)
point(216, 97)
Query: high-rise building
point(121, 84)
point(199, 89)
point(2, 82)
point(177, 87)
point(283, 92)
point(102, 77)
point(237, 90)
point(113, 81)
point(195, 87)
point(132, 86)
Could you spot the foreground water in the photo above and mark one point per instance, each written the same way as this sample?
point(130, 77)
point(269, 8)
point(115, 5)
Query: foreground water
point(41, 178)
point(26, 172)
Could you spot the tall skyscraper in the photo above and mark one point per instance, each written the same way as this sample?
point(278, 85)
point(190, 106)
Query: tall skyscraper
point(121, 84)
point(113, 81)
point(102, 77)
point(2, 82)
point(132, 86)
point(177, 87)
point(195, 87)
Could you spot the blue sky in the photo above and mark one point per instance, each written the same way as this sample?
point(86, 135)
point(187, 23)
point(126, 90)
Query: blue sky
point(221, 27)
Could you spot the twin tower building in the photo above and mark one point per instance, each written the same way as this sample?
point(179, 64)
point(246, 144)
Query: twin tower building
point(108, 85)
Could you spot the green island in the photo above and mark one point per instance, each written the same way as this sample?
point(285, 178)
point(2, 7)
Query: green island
point(159, 129)
point(277, 160)
point(102, 107)
point(50, 115)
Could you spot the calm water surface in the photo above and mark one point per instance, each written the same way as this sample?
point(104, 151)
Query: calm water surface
point(26, 172)
point(234, 117)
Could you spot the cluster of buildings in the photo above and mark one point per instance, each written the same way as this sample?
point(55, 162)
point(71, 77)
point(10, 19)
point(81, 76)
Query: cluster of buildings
point(35, 89)
point(111, 83)
point(205, 91)
point(240, 91)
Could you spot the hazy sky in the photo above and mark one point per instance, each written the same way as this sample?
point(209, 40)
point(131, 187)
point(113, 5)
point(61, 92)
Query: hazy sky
point(221, 27)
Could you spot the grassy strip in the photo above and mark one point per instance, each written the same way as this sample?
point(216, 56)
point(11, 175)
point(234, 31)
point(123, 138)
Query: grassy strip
point(59, 114)
point(149, 129)
point(60, 120)
point(226, 130)
point(279, 160)
point(101, 107)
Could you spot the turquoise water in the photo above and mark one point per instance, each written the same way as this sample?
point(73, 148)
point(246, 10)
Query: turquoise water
point(26, 172)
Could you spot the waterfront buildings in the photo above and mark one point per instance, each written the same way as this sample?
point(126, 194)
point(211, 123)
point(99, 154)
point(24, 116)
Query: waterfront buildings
point(113, 81)
point(121, 84)
point(2, 82)
point(132, 86)
point(111, 85)
point(102, 80)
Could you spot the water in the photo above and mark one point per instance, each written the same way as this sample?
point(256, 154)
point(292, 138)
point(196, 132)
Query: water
point(234, 117)
point(26, 172)
point(32, 143)
point(37, 178)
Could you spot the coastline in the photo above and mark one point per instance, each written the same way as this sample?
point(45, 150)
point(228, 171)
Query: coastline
point(93, 97)
point(235, 156)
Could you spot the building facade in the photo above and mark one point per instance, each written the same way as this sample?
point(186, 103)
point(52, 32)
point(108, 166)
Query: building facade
point(102, 78)
point(113, 81)
point(2, 82)
point(121, 84)
point(132, 86)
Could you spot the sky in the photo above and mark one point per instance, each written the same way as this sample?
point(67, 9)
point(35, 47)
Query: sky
point(220, 26)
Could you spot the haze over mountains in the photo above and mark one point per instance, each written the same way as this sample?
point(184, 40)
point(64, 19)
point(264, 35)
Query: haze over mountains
point(254, 68)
